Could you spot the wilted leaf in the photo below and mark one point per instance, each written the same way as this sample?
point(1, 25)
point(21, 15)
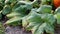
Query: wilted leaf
point(14, 21)
point(13, 14)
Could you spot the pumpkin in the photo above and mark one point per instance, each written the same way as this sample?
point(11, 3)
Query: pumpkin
point(56, 3)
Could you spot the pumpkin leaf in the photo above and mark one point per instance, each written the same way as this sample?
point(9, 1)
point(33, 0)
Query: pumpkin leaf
point(6, 10)
point(44, 9)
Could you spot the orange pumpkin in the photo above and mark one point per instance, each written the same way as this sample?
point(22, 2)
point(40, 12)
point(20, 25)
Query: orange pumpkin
point(56, 3)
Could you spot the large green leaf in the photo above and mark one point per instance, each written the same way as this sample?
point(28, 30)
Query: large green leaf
point(38, 23)
point(44, 9)
point(6, 10)
point(23, 9)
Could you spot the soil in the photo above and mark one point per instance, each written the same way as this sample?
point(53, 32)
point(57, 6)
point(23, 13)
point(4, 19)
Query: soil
point(15, 30)
point(57, 29)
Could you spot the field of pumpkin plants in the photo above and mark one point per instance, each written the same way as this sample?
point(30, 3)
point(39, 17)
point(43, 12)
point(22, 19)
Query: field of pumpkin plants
point(36, 16)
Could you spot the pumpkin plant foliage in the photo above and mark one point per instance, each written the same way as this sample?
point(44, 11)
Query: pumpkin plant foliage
point(37, 23)
point(35, 16)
